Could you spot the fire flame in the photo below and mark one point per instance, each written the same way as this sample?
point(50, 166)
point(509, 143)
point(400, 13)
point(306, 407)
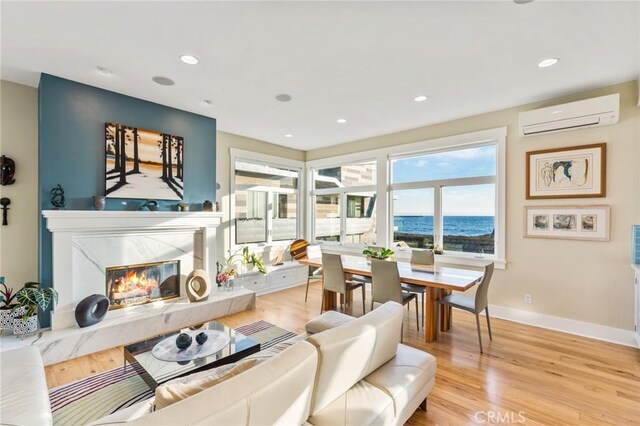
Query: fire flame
point(133, 285)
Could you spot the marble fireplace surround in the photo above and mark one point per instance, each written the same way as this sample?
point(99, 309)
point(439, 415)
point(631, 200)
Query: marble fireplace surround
point(86, 242)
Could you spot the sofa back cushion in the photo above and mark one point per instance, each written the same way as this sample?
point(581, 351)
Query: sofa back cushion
point(351, 351)
point(277, 391)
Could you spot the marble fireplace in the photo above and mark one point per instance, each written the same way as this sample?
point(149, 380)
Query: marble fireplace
point(98, 252)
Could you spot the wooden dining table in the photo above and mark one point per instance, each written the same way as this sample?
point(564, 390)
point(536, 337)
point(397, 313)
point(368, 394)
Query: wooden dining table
point(438, 281)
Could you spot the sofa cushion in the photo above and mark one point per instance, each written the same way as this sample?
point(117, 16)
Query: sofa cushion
point(351, 351)
point(185, 387)
point(326, 321)
point(363, 404)
point(410, 371)
point(277, 391)
point(24, 397)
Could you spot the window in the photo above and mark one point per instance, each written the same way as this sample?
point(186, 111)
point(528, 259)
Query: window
point(447, 198)
point(344, 200)
point(266, 202)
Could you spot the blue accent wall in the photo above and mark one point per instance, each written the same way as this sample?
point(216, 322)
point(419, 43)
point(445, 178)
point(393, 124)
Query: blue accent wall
point(72, 149)
point(635, 245)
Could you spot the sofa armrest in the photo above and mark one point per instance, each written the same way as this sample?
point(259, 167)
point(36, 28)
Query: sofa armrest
point(326, 321)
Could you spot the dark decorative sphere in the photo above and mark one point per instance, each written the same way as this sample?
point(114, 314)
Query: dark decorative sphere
point(201, 338)
point(91, 310)
point(183, 341)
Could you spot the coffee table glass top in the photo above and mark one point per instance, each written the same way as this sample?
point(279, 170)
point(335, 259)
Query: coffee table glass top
point(155, 371)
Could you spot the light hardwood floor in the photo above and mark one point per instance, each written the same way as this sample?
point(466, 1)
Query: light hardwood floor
point(538, 375)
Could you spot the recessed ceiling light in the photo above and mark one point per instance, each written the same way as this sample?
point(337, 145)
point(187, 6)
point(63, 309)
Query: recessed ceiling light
point(547, 62)
point(341, 120)
point(163, 81)
point(208, 101)
point(288, 135)
point(522, 1)
point(104, 71)
point(189, 59)
point(283, 97)
point(420, 98)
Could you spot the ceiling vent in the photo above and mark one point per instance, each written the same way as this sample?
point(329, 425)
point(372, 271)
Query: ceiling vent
point(594, 112)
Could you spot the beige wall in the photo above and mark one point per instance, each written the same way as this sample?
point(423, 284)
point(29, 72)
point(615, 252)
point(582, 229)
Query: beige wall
point(226, 141)
point(19, 140)
point(581, 280)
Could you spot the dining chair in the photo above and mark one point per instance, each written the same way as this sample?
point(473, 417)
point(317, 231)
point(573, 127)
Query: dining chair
point(335, 280)
point(475, 305)
point(386, 285)
point(364, 278)
point(299, 249)
point(419, 257)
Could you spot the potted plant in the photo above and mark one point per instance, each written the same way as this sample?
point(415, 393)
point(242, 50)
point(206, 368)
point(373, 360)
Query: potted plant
point(30, 298)
point(252, 259)
point(381, 254)
point(7, 297)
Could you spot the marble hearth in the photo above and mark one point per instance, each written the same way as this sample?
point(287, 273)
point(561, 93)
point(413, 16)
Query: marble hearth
point(85, 243)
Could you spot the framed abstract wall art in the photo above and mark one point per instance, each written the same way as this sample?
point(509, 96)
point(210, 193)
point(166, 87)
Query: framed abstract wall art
point(573, 172)
point(567, 222)
point(142, 163)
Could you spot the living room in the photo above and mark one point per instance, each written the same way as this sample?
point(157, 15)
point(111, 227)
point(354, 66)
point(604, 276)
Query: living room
point(184, 178)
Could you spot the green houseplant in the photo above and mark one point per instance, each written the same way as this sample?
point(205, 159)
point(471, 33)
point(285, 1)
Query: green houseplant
point(381, 254)
point(31, 298)
point(7, 296)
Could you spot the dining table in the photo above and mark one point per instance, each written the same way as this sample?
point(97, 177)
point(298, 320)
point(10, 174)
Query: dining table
point(438, 281)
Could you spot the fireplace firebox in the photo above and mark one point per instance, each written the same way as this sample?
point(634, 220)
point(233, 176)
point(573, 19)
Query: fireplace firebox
point(132, 285)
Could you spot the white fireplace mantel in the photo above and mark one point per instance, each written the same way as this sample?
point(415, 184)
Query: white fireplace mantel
point(85, 241)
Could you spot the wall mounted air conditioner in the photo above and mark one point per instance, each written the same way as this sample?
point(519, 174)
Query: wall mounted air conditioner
point(593, 112)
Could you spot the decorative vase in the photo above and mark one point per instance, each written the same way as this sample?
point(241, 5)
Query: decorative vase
point(91, 310)
point(22, 327)
point(99, 202)
point(229, 284)
point(6, 320)
point(207, 206)
point(198, 285)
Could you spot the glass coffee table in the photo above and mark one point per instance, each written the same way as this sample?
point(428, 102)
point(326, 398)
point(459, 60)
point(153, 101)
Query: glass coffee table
point(155, 372)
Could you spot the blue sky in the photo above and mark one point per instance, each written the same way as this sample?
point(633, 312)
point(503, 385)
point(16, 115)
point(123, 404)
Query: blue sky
point(476, 200)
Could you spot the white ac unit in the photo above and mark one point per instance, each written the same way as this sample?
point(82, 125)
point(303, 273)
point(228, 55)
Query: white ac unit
point(593, 112)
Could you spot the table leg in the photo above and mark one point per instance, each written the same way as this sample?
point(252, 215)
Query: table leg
point(430, 332)
point(445, 312)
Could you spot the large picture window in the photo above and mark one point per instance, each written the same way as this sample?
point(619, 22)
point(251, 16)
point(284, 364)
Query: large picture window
point(344, 200)
point(266, 202)
point(446, 199)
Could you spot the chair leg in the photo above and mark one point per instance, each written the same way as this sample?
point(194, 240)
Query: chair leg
point(417, 314)
point(322, 302)
point(372, 303)
point(306, 294)
point(423, 310)
point(437, 319)
point(486, 312)
point(479, 334)
point(364, 310)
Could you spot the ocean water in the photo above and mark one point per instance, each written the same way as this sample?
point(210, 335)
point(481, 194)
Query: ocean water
point(453, 225)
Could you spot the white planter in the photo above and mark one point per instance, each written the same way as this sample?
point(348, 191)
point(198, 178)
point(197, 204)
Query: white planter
point(21, 327)
point(6, 320)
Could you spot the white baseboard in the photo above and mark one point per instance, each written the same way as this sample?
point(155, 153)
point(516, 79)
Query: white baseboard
point(566, 325)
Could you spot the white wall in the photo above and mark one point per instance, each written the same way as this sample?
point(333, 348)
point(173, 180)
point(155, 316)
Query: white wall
point(581, 280)
point(19, 140)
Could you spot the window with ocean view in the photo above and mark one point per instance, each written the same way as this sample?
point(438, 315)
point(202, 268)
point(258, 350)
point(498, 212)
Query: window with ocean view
point(446, 199)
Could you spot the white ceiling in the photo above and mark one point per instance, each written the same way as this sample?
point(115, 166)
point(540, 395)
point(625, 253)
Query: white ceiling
point(363, 61)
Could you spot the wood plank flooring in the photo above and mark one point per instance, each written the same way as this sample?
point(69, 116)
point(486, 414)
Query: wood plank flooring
point(527, 374)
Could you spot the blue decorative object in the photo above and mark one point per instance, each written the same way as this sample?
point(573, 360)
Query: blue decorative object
point(91, 310)
point(183, 341)
point(201, 338)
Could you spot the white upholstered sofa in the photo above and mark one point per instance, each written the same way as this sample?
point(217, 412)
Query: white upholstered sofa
point(344, 371)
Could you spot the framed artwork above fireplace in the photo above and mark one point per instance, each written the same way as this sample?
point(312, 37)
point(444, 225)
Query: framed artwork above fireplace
point(143, 164)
